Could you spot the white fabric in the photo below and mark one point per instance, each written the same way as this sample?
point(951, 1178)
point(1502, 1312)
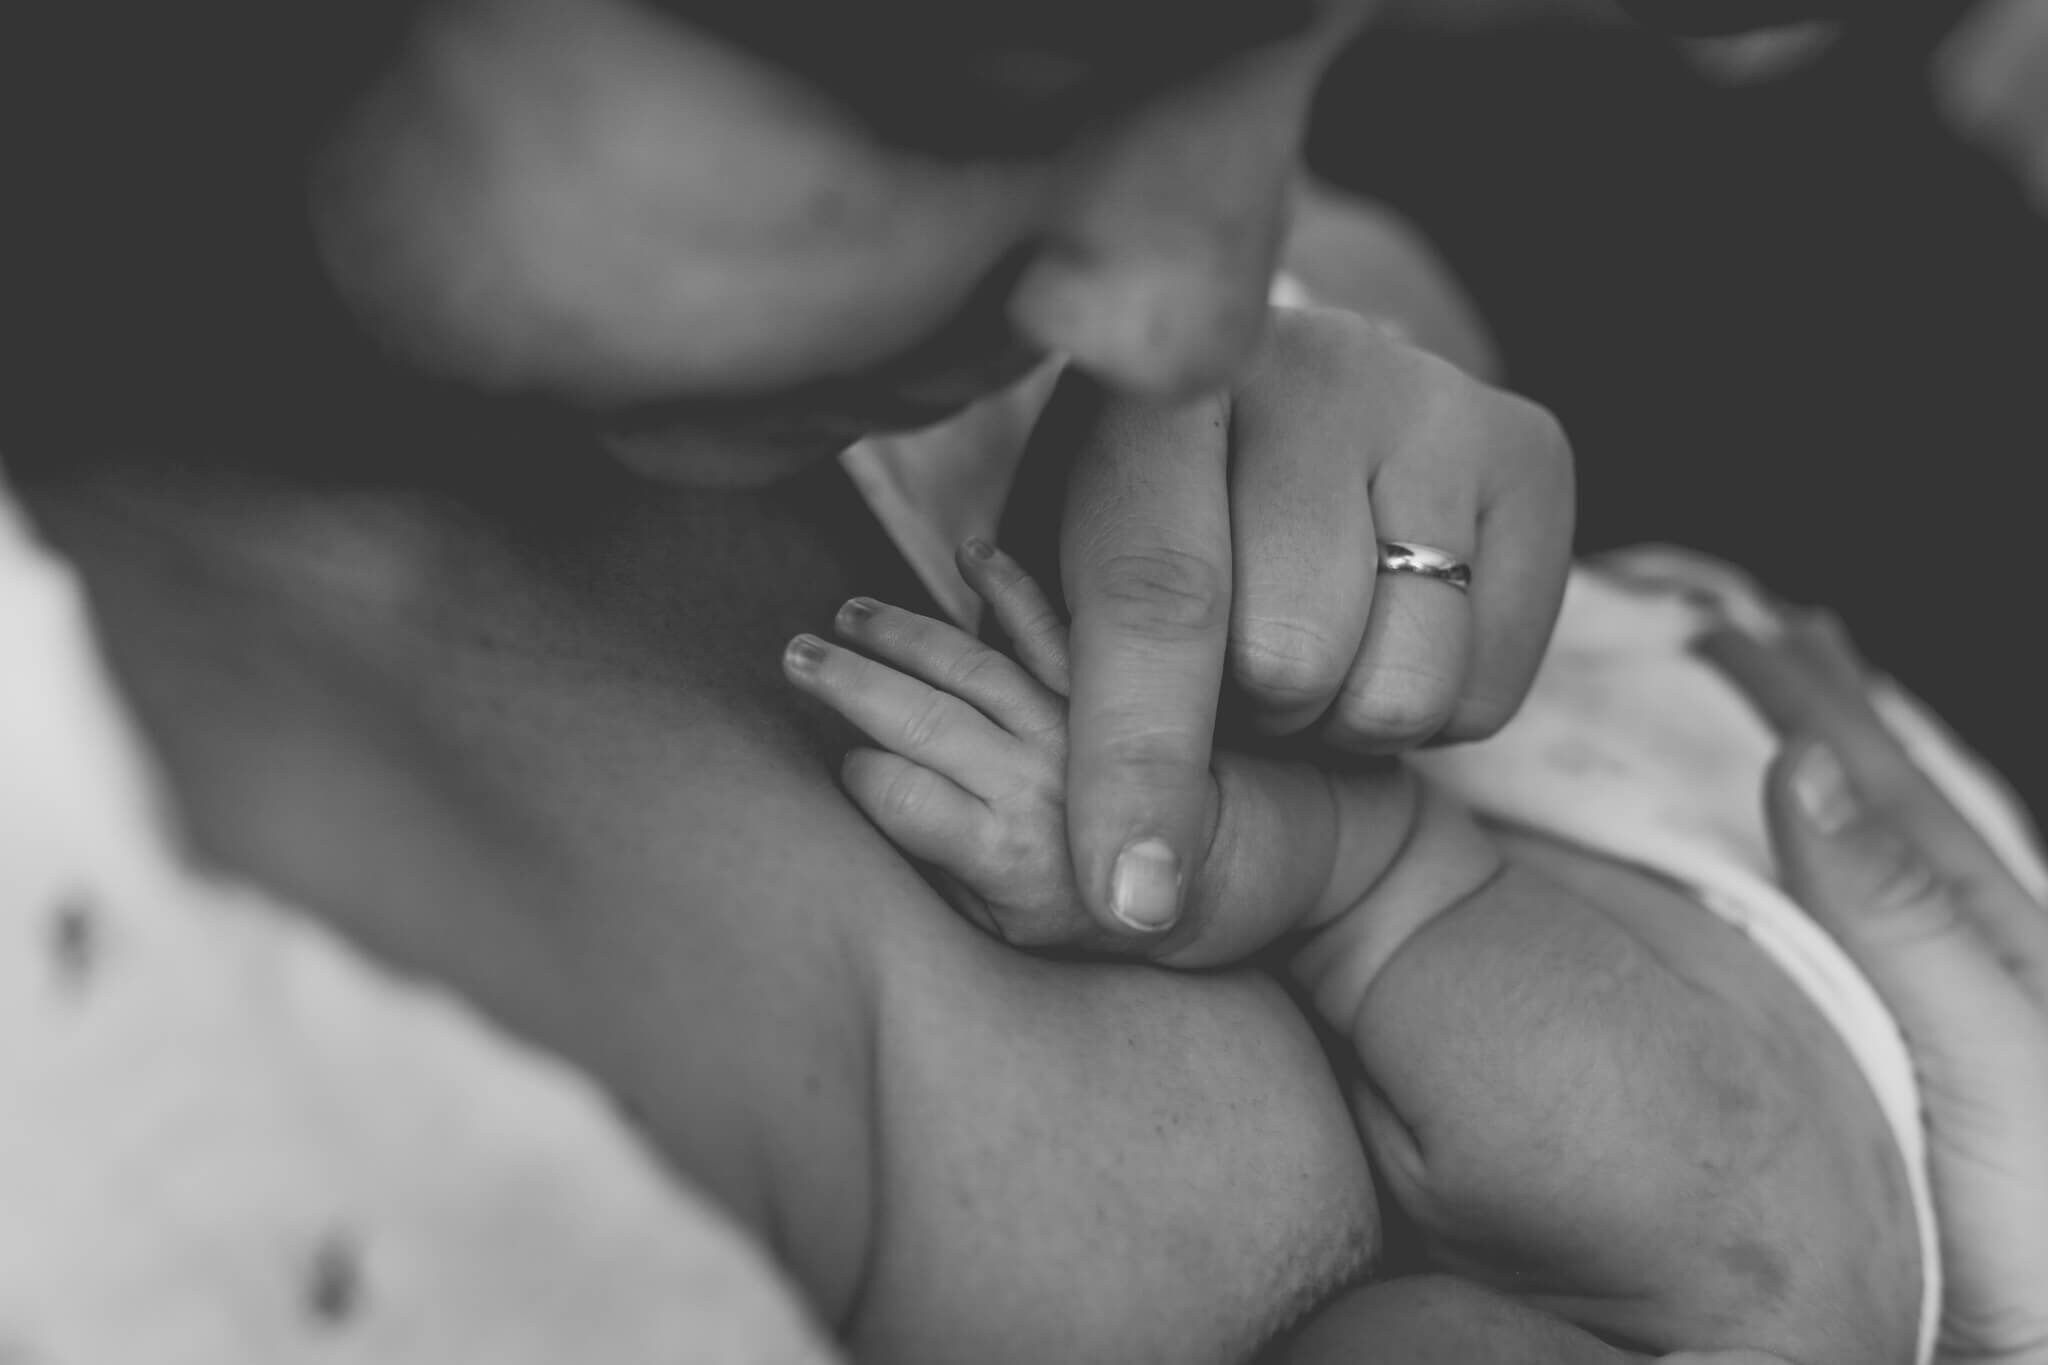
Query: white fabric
point(1632, 746)
point(226, 1138)
point(932, 489)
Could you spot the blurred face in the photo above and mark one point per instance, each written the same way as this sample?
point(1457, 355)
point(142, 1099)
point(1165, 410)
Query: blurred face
point(1733, 16)
point(602, 202)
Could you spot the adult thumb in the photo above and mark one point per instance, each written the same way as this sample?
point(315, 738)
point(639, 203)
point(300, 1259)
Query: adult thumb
point(1864, 879)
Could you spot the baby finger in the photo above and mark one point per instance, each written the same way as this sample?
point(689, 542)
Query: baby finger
point(908, 717)
point(923, 814)
point(952, 661)
point(1036, 629)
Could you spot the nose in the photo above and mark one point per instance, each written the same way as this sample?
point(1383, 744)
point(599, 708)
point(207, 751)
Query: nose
point(1153, 270)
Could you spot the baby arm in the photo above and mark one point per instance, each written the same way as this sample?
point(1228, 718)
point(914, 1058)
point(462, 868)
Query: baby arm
point(1562, 1091)
point(970, 778)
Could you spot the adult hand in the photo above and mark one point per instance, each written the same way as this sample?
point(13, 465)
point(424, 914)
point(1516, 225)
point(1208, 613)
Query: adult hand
point(1957, 948)
point(1239, 531)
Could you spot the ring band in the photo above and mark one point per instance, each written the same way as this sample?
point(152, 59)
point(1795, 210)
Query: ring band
point(1425, 561)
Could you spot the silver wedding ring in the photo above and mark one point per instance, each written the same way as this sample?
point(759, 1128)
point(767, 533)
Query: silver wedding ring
point(1425, 561)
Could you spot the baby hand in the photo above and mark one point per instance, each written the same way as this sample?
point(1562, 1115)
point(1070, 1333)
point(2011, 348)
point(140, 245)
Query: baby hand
point(970, 775)
point(970, 779)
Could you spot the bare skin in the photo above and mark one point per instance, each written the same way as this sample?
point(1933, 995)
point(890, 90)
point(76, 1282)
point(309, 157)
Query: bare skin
point(558, 773)
point(1576, 1084)
point(547, 764)
point(554, 768)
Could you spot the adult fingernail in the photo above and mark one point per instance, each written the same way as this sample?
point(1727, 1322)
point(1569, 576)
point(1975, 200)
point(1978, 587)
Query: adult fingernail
point(1144, 889)
point(1821, 787)
point(804, 654)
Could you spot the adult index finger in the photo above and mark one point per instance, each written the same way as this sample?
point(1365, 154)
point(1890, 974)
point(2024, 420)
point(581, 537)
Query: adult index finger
point(1145, 557)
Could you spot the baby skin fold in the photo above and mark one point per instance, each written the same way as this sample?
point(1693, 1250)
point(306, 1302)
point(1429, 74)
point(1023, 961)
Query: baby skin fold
point(1576, 1086)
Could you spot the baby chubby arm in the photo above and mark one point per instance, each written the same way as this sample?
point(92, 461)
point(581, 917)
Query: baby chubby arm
point(1563, 1093)
point(969, 775)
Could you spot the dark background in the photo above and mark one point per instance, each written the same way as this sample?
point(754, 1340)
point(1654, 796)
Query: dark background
point(1801, 325)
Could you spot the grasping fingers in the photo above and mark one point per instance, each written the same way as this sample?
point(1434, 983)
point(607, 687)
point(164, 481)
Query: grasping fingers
point(1266, 868)
point(953, 663)
point(908, 717)
point(1026, 615)
point(970, 774)
point(930, 818)
point(971, 781)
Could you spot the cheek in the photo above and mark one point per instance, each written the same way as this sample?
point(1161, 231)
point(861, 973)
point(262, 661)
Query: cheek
point(616, 213)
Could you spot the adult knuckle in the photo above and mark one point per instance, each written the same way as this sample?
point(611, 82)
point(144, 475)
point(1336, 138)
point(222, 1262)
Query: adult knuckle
point(1913, 913)
point(1336, 356)
point(1330, 344)
point(1396, 706)
point(1165, 591)
point(1154, 757)
point(1917, 901)
point(1976, 889)
point(1536, 441)
point(1287, 663)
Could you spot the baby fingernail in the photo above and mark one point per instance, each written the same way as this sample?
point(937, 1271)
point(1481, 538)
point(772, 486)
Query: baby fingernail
point(1144, 890)
point(977, 548)
point(1821, 787)
point(804, 654)
point(856, 612)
